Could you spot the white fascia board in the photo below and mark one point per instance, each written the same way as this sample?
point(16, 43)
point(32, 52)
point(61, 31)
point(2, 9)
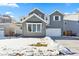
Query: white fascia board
point(55, 11)
point(33, 15)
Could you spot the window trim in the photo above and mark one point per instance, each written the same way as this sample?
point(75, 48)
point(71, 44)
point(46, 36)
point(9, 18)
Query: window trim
point(58, 17)
point(36, 27)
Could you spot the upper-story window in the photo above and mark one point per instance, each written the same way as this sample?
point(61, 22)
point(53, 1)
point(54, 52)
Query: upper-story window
point(56, 18)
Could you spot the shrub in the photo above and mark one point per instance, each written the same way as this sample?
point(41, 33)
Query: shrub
point(39, 45)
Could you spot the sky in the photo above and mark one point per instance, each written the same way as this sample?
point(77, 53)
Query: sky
point(18, 10)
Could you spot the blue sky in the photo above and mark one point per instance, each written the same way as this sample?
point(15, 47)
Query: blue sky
point(17, 10)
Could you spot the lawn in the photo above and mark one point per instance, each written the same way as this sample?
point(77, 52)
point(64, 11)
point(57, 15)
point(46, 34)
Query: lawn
point(33, 47)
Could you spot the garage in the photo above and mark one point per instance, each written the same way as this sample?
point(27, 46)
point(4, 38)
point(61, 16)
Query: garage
point(53, 32)
point(1, 32)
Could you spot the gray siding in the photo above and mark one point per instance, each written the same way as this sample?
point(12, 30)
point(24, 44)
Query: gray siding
point(71, 25)
point(39, 13)
point(33, 19)
point(56, 24)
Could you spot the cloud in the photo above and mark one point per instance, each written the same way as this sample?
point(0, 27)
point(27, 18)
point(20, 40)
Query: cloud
point(73, 12)
point(77, 9)
point(70, 13)
point(8, 13)
point(11, 16)
point(9, 4)
point(66, 13)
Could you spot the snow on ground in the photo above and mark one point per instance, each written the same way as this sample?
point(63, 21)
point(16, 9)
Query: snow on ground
point(72, 44)
point(21, 47)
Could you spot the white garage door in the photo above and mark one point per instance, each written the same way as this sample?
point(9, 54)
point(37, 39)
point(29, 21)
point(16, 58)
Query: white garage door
point(53, 32)
point(1, 33)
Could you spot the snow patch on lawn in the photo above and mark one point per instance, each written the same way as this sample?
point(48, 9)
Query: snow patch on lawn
point(21, 47)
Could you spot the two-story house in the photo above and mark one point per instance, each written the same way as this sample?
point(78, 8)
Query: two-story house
point(39, 24)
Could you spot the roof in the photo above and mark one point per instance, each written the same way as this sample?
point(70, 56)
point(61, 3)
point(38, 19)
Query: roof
point(37, 9)
point(31, 16)
point(74, 17)
point(56, 11)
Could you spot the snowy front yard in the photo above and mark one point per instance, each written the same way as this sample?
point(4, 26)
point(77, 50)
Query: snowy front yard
point(29, 47)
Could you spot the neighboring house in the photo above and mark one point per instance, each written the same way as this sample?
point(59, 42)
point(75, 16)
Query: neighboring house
point(71, 23)
point(5, 19)
point(5, 23)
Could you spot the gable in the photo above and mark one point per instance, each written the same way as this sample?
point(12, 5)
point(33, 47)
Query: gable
point(33, 18)
point(38, 12)
point(56, 13)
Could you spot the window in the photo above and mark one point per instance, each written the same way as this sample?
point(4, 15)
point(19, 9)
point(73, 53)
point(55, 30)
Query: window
point(38, 27)
point(34, 27)
point(56, 18)
point(29, 28)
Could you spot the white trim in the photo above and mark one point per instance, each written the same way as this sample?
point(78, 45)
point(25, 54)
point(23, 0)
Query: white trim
point(48, 19)
point(27, 27)
point(55, 11)
point(45, 17)
point(58, 17)
point(36, 27)
point(33, 23)
point(41, 27)
point(33, 15)
point(32, 27)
